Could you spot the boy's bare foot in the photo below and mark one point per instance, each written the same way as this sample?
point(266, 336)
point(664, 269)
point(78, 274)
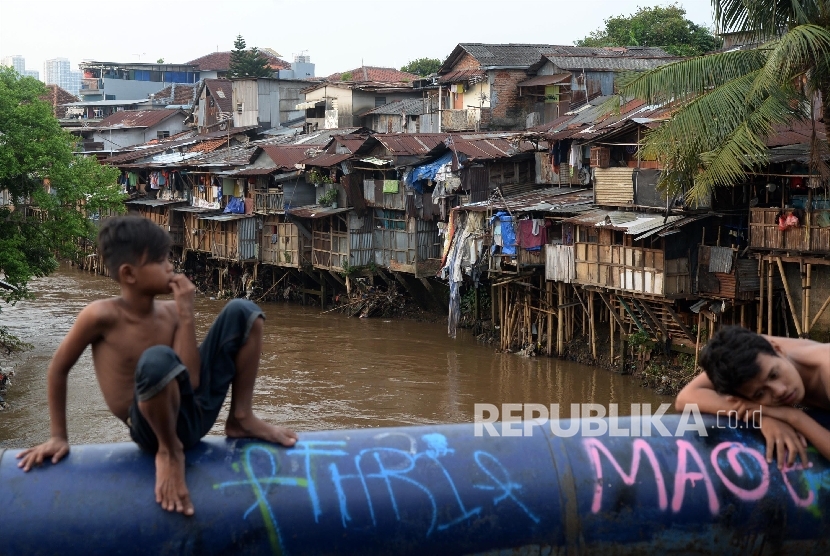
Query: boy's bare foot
point(254, 427)
point(171, 489)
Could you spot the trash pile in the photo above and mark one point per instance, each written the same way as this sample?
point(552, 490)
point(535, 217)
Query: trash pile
point(371, 301)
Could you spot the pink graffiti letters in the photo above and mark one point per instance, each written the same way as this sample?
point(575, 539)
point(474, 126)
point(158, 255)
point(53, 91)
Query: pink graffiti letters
point(730, 461)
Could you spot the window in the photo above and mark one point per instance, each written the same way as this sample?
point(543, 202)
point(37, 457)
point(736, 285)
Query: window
point(162, 134)
point(380, 101)
point(239, 107)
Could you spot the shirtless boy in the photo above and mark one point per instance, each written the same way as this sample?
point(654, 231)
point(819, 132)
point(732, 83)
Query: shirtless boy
point(152, 374)
point(746, 372)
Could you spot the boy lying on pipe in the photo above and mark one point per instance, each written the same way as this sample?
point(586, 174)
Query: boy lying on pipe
point(747, 372)
point(152, 374)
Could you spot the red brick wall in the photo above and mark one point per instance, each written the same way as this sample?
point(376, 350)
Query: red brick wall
point(508, 109)
point(466, 62)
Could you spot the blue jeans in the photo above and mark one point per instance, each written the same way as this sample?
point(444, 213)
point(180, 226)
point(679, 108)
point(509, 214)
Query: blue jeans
point(199, 408)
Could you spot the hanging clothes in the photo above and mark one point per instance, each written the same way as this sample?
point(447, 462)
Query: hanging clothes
point(575, 158)
point(529, 240)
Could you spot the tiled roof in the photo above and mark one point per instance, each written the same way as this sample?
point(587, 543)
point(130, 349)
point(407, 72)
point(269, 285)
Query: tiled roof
point(221, 61)
point(608, 63)
point(177, 93)
point(374, 74)
point(410, 107)
point(222, 92)
point(126, 119)
point(494, 55)
point(56, 97)
point(207, 146)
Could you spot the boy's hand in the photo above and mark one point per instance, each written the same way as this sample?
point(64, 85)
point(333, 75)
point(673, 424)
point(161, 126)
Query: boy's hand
point(183, 292)
point(783, 441)
point(744, 408)
point(55, 448)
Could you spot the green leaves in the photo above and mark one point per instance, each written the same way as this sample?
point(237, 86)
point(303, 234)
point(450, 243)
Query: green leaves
point(248, 63)
point(665, 27)
point(727, 104)
point(53, 191)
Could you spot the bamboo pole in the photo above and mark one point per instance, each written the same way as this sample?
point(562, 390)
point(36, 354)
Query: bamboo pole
point(796, 318)
point(769, 297)
point(806, 328)
point(593, 328)
point(820, 311)
point(697, 341)
point(611, 323)
point(560, 321)
point(549, 299)
point(760, 316)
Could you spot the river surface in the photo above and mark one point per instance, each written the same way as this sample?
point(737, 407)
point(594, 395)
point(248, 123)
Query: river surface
point(318, 371)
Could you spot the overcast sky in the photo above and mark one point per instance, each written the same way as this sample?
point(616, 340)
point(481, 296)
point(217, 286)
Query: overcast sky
point(337, 34)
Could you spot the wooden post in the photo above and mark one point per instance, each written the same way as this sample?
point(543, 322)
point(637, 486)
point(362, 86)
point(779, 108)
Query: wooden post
point(796, 318)
point(611, 323)
point(560, 320)
point(769, 297)
point(593, 329)
point(549, 299)
point(322, 291)
point(806, 328)
point(743, 315)
point(697, 341)
point(760, 316)
point(493, 307)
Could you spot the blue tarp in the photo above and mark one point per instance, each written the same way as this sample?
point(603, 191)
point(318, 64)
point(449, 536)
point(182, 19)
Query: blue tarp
point(508, 233)
point(417, 178)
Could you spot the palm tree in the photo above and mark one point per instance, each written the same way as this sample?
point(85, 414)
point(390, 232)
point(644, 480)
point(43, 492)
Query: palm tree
point(725, 104)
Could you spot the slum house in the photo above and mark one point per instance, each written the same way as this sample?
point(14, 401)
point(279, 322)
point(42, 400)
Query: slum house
point(413, 115)
point(478, 86)
point(213, 108)
point(406, 219)
point(486, 237)
point(789, 235)
point(267, 102)
point(280, 186)
point(129, 128)
point(566, 77)
point(343, 98)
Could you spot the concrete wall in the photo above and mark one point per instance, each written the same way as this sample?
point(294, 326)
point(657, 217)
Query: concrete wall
point(128, 89)
point(119, 138)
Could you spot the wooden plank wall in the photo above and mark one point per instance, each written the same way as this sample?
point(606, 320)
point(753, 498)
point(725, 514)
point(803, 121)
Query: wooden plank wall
point(613, 186)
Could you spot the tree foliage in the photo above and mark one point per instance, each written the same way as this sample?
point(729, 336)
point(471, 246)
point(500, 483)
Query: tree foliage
point(248, 63)
point(664, 27)
point(729, 103)
point(52, 192)
point(422, 66)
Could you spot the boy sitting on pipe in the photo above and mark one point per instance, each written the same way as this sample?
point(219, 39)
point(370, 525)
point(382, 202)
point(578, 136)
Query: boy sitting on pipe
point(748, 372)
point(152, 374)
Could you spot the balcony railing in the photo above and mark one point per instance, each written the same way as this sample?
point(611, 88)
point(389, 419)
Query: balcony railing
point(812, 235)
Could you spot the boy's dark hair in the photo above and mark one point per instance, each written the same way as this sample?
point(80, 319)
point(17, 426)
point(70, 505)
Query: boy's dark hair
point(730, 359)
point(132, 240)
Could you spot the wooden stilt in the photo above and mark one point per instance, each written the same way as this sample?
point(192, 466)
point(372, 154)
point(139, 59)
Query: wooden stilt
point(743, 315)
point(806, 328)
point(549, 299)
point(820, 311)
point(760, 316)
point(593, 328)
point(796, 318)
point(611, 324)
point(769, 297)
point(697, 341)
point(560, 321)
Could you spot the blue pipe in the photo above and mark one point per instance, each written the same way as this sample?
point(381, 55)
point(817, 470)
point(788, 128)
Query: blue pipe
point(429, 490)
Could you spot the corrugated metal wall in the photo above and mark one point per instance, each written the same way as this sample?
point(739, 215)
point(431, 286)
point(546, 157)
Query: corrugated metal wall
point(247, 231)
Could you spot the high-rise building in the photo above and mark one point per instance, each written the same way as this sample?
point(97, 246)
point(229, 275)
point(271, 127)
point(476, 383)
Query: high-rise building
point(32, 73)
point(56, 72)
point(17, 62)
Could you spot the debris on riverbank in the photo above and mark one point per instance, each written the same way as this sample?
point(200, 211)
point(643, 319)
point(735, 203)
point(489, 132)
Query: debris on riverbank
point(5, 382)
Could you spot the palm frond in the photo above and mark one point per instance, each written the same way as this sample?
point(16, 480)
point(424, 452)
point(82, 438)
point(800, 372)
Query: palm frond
point(688, 78)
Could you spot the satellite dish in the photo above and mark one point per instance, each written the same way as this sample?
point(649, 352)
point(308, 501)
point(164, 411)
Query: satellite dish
point(584, 176)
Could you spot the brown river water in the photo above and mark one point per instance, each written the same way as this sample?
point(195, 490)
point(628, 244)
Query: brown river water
point(318, 371)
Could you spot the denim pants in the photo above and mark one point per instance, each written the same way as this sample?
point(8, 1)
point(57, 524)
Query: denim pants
point(199, 408)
